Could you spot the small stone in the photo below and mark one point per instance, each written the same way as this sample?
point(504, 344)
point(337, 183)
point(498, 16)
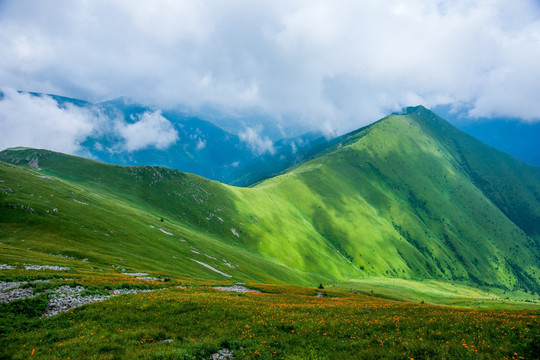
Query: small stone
point(223, 354)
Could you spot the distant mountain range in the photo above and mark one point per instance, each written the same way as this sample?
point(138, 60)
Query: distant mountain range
point(409, 197)
point(242, 159)
point(517, 138)
point(202, 147)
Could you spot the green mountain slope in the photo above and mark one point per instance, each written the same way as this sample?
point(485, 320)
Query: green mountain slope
point(112, 215)
point(408, 197)
point(413, 197)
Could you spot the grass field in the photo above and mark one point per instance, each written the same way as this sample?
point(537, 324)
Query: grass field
point(440, 293)
point(192, 320)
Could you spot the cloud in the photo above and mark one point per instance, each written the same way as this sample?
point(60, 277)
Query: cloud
point(150, 129)
point(201, 144)
point(333, 65)
point(39, 122)
point(259, 144)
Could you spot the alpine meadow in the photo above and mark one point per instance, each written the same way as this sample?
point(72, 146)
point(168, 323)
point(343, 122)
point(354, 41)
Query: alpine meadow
point(404, 239)
point(270, 179)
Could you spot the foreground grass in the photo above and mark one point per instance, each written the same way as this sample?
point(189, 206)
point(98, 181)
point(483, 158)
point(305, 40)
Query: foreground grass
point(282, 322)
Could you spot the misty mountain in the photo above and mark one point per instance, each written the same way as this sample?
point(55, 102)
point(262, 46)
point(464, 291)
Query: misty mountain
point(408, 197)
point(127, 133)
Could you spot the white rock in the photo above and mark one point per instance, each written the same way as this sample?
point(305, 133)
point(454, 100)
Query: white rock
point(236, 288)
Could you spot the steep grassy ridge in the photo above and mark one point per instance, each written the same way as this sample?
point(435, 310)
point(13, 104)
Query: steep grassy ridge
point(413, 197)
point(408, 197)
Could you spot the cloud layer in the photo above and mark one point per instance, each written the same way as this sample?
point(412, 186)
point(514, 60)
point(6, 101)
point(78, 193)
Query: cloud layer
point(335, 64)
point(39, 122)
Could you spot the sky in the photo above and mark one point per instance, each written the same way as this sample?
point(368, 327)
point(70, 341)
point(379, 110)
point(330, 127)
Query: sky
point(327, 65)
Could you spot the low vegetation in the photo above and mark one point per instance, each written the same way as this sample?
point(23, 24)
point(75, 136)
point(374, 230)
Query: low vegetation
point(194, 320)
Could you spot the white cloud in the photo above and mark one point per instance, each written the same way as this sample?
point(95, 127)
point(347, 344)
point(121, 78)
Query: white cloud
point(201, 144)
point(258, 143)
point(39, 122)
point(335, 64)
point(150, 129)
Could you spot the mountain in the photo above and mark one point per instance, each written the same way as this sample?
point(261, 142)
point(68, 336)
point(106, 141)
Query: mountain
point(408, 197)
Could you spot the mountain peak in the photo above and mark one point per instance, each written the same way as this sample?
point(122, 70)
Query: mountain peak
point(411, 110)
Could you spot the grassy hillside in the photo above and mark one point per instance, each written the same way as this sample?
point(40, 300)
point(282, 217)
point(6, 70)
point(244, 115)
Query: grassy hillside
point(413, 197)
point(112, 216)
point(408, 197)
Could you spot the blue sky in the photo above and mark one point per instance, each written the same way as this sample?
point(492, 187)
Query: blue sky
point(330, 65)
